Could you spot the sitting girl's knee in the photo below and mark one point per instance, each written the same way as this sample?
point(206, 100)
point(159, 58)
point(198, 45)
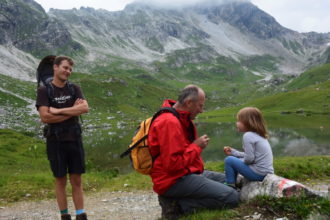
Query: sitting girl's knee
point(229, 159)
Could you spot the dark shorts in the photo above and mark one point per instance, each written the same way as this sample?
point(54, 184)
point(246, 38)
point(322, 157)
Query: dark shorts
point(66, 157)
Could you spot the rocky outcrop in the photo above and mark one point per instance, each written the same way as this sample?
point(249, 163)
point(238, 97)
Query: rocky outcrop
point(25, 25)
point(275, 186)
point(246, 17)
point(233, 29)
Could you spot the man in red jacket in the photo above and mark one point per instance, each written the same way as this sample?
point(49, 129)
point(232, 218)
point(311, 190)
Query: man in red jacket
point(178, 171)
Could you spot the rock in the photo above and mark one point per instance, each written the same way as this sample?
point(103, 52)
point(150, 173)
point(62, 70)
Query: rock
point(275, 186)
point(300, 111)
point(317, 216)
point(256, 216)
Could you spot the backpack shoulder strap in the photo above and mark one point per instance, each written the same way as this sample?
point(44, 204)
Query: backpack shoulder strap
point(165, 109)
point(159, 112)
point(71, 89)
point(50, 92)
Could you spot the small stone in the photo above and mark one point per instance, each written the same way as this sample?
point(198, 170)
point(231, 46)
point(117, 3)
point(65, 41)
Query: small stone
point(256, 216)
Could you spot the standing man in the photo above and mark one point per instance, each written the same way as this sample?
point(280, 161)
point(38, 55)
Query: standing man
point(59, 105)
point(178, 171)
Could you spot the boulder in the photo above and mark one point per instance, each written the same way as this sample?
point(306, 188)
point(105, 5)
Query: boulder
point(275, 186)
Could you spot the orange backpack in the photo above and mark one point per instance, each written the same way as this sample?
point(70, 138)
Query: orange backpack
point(140, 156)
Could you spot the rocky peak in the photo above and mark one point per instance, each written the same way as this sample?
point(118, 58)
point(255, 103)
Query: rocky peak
point(245, 16)
point(25, 25)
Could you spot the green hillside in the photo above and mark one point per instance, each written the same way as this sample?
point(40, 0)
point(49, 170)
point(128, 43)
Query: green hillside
point(313, 76)
point(314, 98)
point(124, 91)
point(310, 93)
point(23, 161)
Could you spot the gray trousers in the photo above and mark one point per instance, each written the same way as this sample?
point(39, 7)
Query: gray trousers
point(206, 190)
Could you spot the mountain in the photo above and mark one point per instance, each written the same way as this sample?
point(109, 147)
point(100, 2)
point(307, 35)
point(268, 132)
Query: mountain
point(237, 30)
point(145, 33)
point(129, 61)
point(27, 33)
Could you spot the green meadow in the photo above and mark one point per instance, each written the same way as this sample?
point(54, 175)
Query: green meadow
point(25, 176)
point(120, 98)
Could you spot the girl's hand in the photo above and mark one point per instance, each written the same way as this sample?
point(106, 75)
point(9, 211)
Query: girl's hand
point(227, 150)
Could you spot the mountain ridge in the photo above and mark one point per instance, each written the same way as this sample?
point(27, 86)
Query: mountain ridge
point(143, 34)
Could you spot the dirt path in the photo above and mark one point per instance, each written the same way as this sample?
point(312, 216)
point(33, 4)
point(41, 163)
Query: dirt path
point(141, 205)
point(138, 205)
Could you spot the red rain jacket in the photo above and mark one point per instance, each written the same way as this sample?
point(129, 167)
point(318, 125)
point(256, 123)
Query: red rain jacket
point(176, 155)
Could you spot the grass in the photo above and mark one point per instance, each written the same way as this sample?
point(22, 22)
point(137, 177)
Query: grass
point(213, 215)
point(19, 87)
point(294, 207)
point(24, 168)
point(269, 208)
point(311, 100)
point(25, 175)
point(309, 94)
point(132, 93)
point(313, 76)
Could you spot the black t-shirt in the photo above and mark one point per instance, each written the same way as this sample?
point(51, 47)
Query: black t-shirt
point(62, 99)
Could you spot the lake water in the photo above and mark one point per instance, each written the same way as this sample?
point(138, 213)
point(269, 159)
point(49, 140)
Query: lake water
point(290, 135)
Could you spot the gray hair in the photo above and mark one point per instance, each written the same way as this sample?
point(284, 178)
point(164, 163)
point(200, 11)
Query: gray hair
point(189, 92)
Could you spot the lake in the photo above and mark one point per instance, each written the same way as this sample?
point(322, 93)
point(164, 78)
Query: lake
point(289, 135)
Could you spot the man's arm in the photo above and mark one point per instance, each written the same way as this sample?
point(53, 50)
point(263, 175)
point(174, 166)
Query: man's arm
point(80, 107)
point(49, 118)
point(176, 154)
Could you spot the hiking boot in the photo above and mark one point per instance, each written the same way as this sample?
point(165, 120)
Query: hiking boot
point(171, 209)
point(232, 185)
point(81, 216)
point(65, 217)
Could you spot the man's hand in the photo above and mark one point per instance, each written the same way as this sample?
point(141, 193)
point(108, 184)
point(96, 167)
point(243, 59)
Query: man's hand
point(202, 141)
point(78, 101)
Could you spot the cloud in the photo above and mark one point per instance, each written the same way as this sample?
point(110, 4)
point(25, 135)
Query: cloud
point(184, 3)
point(299, 15)
point(111, 5)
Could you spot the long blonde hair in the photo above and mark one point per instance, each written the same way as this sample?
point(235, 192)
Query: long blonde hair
point(253, 120)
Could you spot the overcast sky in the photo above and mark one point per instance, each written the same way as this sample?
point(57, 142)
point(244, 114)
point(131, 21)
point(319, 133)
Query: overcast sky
point(298, 15)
